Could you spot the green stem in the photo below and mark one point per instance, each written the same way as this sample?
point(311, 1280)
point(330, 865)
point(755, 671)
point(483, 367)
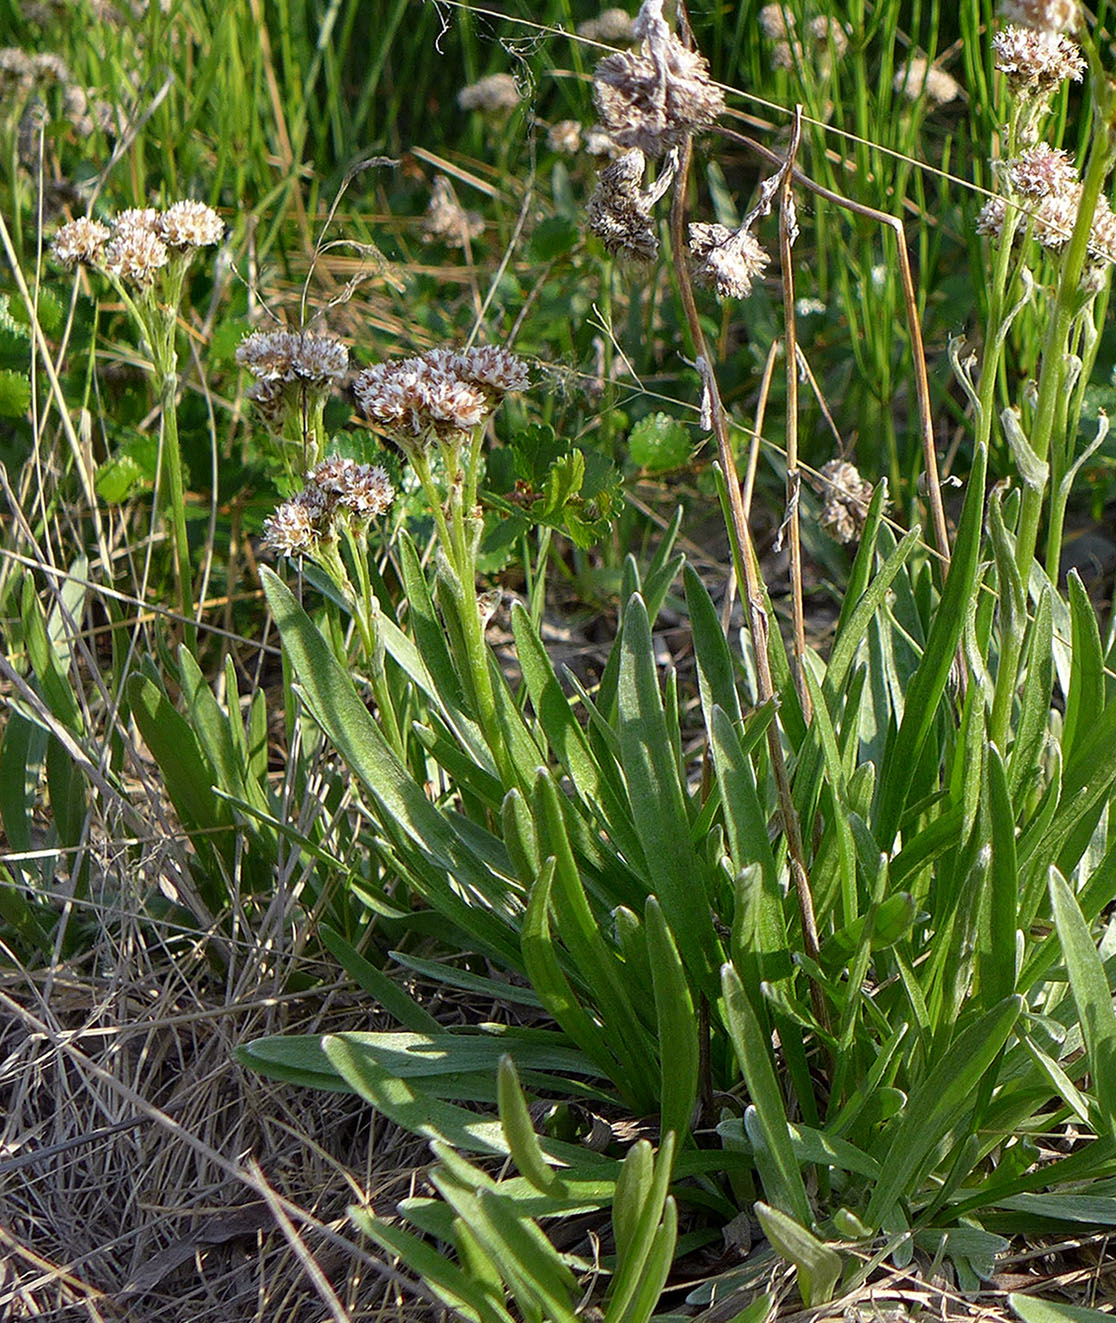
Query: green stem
point(1066, 307)
point(176, 497)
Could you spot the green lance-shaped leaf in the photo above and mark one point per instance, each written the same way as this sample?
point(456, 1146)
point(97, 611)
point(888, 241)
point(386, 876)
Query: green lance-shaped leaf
point(677, 1025)
point(520, 1133)
point(925, 691)
point(636, 1243)
point(818, 1266)
point(1091, 994)
point(658, 802)
point(751, 1046)
point(938, 1104)
point(1033, 1310)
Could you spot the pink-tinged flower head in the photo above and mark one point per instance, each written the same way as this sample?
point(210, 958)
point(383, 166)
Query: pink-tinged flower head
point(188, 225)
point(135, 253)
point(1036, 61)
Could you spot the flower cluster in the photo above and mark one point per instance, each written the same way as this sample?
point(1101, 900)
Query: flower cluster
point(727, 261)
point(295, 374)
point(337, 489)
point(1036, 61)
point(440, 396)
point(652, 98)
point(619, 210)
point(1042, 181)
point(139, 242)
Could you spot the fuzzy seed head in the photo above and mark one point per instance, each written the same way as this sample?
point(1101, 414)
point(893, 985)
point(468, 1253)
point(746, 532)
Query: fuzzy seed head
point(775, 21)
point(447, 220)
point(297, 526)
point(495, 95)
point(829, 35)
point(80, 242)
point(619, 212)
point(1043, 15)
point(439, 395)
point(564, 137)
point(17, 73)
point(187, 225)
point(1035, 61)
point(727, 261)
point(364, 490)
point(48, 68)
point(613, 26)
point(921, 76)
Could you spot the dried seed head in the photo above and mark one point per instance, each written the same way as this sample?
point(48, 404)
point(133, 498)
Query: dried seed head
point(80, 241)
point(846, 498)
point(495, 95)
point(619, 211)
point(654, 97)
point(291, 356)
point(1036, 62)
point(829, 35)
point(775, 21)
point(728, 261)
point(1047, 15)
point(614, 26)
point(187, 225)
point(564, 137)
point(135, 252)
point(447, 220)
point(17, 74)
point(921, 76)
point(599, 143)
point(47, 68)
point(298, 525)
point(787, 55)
point(1040, 171)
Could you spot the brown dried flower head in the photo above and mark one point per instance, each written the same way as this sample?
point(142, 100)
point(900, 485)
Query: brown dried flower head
point(188, 225)
point(614, 26)
point(727, 261)
point(495, 95)
point(1046, 15)
point(447, 220)
point(1035, 61)
point(80, 242)
point(846, 499)
point(920, 76)
point(619, 209)
point(653, 98)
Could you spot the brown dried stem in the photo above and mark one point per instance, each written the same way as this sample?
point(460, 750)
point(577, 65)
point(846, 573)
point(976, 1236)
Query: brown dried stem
point(745, 556)
point(788, 229)
point(914, 327)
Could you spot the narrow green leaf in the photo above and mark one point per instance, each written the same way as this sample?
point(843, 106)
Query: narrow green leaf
point(997, 933)
point(753, 1054)
point(677, 1024)
point(1086, 692)
point(658, 802)
point(925, 690)
point(938, 1104)
point(1033, 1310)
point(819, 1267)
point(380, 986)
point(631, 1267)
point(716, 673)
point(520, 1132)
point(1091, 995)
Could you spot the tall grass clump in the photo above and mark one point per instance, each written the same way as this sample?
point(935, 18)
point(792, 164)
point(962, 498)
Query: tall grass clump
point(760, 960)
